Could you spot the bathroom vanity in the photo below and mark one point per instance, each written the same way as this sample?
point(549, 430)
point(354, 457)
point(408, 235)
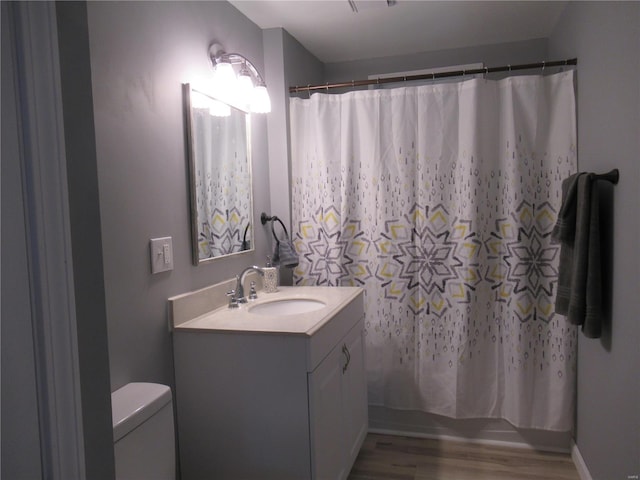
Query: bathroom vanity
point(275, 389)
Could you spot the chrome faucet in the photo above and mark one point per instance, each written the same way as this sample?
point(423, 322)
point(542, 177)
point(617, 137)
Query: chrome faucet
point(239, 291)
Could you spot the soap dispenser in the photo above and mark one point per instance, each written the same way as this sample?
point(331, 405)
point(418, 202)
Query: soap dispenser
point(270, 277)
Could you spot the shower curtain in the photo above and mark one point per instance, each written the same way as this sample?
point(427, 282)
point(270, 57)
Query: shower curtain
point(439, 200)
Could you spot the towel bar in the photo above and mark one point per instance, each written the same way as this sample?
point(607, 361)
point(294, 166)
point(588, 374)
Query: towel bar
point(264, 218)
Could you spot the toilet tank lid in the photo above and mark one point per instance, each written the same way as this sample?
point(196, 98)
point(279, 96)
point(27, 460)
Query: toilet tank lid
point(134, 403)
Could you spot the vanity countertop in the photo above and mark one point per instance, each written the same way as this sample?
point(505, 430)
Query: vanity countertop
point(241, 319)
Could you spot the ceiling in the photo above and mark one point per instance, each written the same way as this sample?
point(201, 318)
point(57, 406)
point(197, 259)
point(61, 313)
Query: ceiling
point(333, 32)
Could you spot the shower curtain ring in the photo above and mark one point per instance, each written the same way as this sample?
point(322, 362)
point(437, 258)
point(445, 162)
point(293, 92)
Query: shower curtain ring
point(308, 91)
point(486, 70)
point(543, 65)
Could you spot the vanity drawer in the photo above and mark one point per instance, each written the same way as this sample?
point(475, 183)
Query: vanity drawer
point(325, 339)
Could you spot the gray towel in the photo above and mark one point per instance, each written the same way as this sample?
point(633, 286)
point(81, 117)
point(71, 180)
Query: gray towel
point(579, 294)
point(284, 254)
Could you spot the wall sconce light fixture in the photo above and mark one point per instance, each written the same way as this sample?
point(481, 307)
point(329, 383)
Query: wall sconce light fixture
point(245, 89)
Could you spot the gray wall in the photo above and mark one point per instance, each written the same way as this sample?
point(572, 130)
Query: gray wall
point(277, 127)
point(605, 36)
point(492, 56)
point(287, 63)
point(141, 54)
point(301, 67)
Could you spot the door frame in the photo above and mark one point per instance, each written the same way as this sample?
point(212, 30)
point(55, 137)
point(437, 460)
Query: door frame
point(49, 249)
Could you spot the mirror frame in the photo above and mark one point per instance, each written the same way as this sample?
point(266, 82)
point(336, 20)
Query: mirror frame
point(187, 89)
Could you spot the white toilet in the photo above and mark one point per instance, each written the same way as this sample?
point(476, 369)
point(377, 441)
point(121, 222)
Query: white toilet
point(143, 435)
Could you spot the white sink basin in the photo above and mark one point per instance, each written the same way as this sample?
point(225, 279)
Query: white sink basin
point(287, 306)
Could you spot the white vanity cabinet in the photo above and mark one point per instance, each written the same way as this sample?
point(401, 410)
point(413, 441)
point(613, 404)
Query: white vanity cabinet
point(337, 394)
point(271, 401)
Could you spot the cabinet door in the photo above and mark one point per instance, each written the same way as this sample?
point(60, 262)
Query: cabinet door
point(354, 394)
point(325, 418)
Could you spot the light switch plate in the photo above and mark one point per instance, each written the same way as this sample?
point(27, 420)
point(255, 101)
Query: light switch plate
point(161, 254)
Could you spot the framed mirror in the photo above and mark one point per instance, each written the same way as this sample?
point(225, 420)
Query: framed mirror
point(219, 155)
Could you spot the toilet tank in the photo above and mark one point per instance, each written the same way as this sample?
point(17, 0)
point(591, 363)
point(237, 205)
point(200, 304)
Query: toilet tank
point(143, 432)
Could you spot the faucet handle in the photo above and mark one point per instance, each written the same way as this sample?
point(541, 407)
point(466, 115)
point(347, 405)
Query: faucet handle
point(252, 292)
point(233, 301)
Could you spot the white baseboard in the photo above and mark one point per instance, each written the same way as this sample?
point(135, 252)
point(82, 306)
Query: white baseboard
point(454, 438)
point(487, 431)
point(578, 461)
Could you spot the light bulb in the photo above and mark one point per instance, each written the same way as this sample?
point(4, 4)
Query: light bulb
point(260, 101)
point(224, 82)
point(244, 90)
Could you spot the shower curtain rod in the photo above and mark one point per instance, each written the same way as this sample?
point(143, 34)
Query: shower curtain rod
point(433, 76)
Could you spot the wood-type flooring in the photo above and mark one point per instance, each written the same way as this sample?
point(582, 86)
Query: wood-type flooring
point(406, 458)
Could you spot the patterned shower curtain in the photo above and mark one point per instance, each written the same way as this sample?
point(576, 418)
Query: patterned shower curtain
point(439, 200)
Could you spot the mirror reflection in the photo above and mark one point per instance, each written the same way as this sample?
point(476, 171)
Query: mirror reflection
point(220, 171)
